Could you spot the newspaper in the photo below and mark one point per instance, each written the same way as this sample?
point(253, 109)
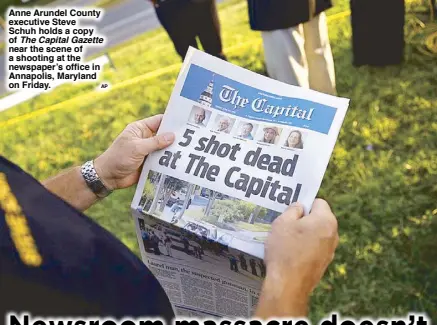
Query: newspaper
point(246, 147)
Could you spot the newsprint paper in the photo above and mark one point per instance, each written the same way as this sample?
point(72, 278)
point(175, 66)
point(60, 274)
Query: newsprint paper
point(246, 147)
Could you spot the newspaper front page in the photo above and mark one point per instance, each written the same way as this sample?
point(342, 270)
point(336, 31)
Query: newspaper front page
point(246, 148)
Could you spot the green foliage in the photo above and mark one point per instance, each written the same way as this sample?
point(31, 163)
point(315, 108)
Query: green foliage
point(148, 195)
point(225, 211)
point(149, 190)
point(173, 184)
point(254, 227)
point(380, 182)
point(106, 3)
point(233, 211)
point(245, 209)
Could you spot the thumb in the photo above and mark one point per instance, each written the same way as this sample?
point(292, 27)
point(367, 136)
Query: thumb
point(320, 207)
point(294, 211)
point(323, 211)
point(157, 142)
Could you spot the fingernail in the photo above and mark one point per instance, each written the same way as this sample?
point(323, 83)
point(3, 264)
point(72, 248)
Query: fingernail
point(295, 205)
point(168, 137)
point(295, 210)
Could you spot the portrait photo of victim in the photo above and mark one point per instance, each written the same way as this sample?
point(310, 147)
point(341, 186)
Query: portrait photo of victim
point(246, 130)
point(270, 134)
point(223, 124)
point(199, 116)
point(294, 140)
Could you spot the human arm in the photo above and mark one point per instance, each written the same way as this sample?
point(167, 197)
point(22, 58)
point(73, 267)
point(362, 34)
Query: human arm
point(298, 252)
point(118, 167)
point(70, 186)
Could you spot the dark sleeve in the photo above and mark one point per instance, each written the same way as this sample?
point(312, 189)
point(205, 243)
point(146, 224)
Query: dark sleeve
point(84, 271)
point(268, 15)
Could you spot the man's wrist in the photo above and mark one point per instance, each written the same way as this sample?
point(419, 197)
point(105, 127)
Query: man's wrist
point(104, 174)
point(285, 293)
point(94, 181)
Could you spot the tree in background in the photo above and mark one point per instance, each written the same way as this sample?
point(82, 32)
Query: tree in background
point(148, 196)
point(254, 214)
point(233, 210)
point(224, 211)
point(166, 186)
point(211, 200)
point(190, 191)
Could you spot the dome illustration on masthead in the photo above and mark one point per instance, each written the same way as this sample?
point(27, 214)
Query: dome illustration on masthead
point(205, 97)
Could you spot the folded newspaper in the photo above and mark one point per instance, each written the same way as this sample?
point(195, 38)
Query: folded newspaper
point(246, 147)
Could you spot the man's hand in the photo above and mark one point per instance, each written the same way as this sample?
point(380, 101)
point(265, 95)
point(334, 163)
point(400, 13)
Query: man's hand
point(298, 252)
point(119, 166)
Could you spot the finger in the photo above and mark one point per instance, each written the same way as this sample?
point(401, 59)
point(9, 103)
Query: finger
point(149, 125)
point(157, 142)
point(294, 211)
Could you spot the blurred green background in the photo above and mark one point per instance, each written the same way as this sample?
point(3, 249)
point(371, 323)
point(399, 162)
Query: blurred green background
point(381, 181)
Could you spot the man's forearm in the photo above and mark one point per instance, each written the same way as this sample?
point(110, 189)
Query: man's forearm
point(279, 299)
point(71, 187)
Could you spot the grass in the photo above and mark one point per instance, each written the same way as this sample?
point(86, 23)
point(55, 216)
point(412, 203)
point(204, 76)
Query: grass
point(384, 195)
point(7, 3)
point(197, 214)
point(254, 227)
point(107, 3)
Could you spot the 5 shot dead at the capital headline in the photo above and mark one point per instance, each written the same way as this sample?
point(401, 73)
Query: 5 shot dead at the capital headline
point(234, 178)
